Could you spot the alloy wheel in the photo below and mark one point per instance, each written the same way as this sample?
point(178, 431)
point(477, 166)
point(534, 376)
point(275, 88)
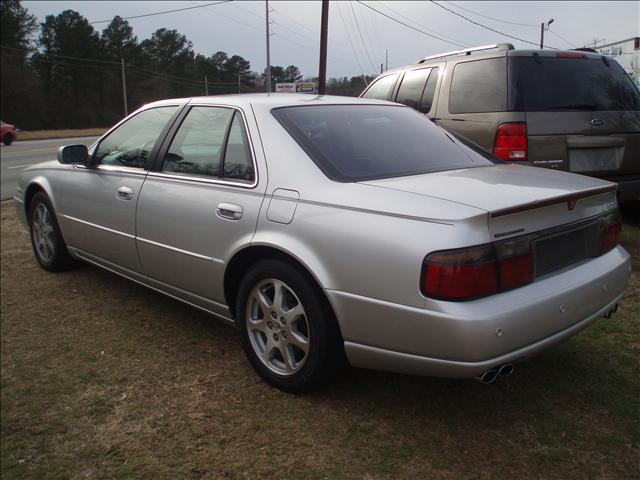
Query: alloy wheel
point(277, 325)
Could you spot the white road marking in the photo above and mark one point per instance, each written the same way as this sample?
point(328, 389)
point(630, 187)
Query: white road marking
point(20, 166)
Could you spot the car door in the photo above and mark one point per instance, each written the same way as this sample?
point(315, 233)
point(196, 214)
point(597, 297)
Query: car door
point(98, 200)
point(200, 203)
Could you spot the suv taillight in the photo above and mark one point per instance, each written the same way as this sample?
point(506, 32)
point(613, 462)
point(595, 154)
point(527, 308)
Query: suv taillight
point(511, 142)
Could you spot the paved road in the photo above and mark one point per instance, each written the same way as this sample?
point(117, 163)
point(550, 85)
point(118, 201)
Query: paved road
point(17, 156)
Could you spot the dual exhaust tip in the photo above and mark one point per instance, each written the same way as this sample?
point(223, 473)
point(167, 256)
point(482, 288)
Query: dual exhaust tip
point(491, 375)
point(505, 370)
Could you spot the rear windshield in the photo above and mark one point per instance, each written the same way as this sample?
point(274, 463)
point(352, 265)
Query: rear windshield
point(542, 84)
point(351, 143)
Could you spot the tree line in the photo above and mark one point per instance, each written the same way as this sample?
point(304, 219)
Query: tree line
point(63, 73)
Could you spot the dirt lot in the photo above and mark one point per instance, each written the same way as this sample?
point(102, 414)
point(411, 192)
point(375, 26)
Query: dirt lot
point(102, 378)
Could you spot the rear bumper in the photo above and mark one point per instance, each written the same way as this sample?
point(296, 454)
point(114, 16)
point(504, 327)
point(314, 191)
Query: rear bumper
point(465, 339)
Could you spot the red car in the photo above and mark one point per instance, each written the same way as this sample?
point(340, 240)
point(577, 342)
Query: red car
point(7, 133)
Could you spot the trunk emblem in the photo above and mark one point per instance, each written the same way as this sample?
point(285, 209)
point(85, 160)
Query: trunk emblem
point(597, 122)
point(572, 204)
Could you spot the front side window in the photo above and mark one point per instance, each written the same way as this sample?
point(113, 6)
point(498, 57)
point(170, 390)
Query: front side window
point(130, 144)
point(211, 142)
point(413, 83)
point(380, 89)
point(479, 86)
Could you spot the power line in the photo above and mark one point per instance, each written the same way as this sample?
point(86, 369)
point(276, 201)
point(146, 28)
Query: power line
point(162, 13)
point(360, 34)
point(562, 38)
point(349, 37)
point(88, 63)
point(484, 26)
point(217, 12)
point(409, 26)
point(491, 18)
point(455, 40)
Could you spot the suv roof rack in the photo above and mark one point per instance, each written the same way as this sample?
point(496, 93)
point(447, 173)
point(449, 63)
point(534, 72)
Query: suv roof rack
point(585, 49)
point(467, 51)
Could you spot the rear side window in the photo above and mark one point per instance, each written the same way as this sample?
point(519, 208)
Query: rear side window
point(479, 86)
point(352, 143)
point(540, 84)
point(429, 91)
point(381, 88)
point(211, 142)
point(412, 86)
point(198, 144)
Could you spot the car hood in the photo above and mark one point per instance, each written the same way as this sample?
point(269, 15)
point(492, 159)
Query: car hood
point(495, 188)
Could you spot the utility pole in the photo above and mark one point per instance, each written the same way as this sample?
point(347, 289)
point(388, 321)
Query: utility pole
point(544, 27)
point(124, 88)
point(268, 60)
point(324, 26)
point(238, 83)
point(206, 87)
point(386, 59)
point(381, 68)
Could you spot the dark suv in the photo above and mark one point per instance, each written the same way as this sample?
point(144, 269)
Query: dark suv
point(570, 110)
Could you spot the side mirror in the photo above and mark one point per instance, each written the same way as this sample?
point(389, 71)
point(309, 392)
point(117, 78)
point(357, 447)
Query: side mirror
point(69, 154)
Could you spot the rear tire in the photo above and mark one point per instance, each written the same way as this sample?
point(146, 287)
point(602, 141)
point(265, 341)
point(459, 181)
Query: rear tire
point(46, 239)
point(287, 328)
point(7, 139)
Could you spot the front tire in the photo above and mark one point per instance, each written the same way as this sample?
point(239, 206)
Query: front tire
point(47, 242)
point(287, 328)
point(7, 139)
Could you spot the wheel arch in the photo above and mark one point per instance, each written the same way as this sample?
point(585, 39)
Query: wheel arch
point(36, 185)
point(250, 254)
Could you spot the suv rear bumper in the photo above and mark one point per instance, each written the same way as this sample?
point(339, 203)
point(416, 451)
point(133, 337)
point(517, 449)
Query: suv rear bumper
point(628, 186)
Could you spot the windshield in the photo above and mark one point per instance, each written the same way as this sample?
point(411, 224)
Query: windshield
point(540, 84)
point(352, 143)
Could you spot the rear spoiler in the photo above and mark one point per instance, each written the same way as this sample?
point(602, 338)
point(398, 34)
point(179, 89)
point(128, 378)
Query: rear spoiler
point(570, 199)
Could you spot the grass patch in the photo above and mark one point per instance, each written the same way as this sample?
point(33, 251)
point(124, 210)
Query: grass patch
point(68, 133)
point(101, 378)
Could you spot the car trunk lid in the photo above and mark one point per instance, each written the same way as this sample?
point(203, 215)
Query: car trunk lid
point(518, 199)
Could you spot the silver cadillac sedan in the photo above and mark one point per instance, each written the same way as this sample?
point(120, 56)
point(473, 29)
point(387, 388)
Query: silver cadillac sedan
point(328, 227)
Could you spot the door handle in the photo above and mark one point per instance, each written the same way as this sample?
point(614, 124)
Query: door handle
point(229, 211)
point(125, 193)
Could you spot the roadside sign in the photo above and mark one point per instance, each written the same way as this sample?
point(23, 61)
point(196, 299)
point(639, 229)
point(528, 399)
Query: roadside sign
point(285, 88)
point(306, 87)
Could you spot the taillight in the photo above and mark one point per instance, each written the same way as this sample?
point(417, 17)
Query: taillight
point(612, 229)
point(460, 274)
point(511, 142)
point(467, 273)
point(515, 262)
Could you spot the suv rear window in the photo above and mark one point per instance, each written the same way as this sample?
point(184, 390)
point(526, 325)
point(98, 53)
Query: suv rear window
point(540, 84)
point(352, 143)
point(479, 86)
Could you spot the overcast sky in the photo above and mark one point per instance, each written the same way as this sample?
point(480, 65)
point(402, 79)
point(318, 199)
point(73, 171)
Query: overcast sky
point(238, 27)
